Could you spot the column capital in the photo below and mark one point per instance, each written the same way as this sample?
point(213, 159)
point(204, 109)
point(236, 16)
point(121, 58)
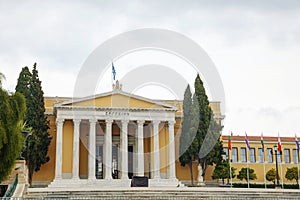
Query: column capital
point(93, 120)
point(140, 122)
point(109, 121)
point(59, 121)
point(156, 122)
point(76, 120)
point(171, 122)
point(124, 121)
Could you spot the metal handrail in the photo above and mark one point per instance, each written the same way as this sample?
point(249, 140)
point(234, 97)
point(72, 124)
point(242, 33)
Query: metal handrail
point(10, 191)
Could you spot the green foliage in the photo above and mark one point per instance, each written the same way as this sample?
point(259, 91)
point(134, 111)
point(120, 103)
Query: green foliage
point(271, 175)
point(243, 174)
point(12, 110)
point(38, 143)
point(292, 173)
point(254, 185)
point(198, 128)
point(23, 86)
point(222, 171)
point(210, 146)
point(2, 77)
point(188, 141)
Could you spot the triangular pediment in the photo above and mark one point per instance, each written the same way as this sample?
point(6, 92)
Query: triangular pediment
point(117, 99)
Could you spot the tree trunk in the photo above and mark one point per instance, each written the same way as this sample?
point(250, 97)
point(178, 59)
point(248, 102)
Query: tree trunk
point(30, 173)
point(191, 172)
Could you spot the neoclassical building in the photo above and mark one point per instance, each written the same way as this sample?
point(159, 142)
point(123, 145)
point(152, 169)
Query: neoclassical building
point(108, 138)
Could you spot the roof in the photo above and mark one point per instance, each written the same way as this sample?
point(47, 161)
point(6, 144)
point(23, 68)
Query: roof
point(257, 138)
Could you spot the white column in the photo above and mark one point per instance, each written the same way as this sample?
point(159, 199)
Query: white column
point(124, 149)
point(75, 170)
point(156, 149)
point(140, 148)
point(59, 138)
point(108, 149)
point(92, 150)
point(172, 170)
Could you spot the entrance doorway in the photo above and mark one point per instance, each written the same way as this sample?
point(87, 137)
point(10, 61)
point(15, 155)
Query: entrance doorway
point(130, 161)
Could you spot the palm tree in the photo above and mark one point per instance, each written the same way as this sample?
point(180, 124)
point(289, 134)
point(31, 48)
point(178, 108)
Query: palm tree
point(2, 77)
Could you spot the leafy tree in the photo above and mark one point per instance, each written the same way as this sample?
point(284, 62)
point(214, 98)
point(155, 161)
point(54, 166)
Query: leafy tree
point(188, 141)
point(271, 175)
point(210, 147)
point(222, 171)
point(243, 174)
point(38, 143)
point(12, 110)
point(292, 173)
point(2, 77)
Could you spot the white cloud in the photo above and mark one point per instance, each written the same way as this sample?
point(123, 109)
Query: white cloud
point(254, 44)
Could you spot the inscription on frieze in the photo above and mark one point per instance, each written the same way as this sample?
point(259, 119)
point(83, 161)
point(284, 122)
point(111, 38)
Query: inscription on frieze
point(116, 113)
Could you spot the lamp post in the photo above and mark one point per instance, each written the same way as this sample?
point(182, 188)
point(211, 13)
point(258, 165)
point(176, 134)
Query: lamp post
point(26, 134)
point(277, 176)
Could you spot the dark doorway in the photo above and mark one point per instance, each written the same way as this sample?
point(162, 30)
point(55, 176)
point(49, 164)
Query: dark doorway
point(130, 161)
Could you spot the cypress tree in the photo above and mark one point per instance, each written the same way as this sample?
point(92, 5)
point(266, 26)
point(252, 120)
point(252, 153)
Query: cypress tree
point(12, 110)
point(210, 147)
point(188, 141)
point(38, 143)
point(23, 86)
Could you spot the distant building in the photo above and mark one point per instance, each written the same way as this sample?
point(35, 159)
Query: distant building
point(257, 158)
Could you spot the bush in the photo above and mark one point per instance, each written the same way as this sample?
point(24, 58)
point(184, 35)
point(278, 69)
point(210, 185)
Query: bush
point(254, 185)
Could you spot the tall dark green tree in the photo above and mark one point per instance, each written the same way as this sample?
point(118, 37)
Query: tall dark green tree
point(12, 110)
point(23, 85)
point(188, 141)
point(210, 147)
point(38, 143)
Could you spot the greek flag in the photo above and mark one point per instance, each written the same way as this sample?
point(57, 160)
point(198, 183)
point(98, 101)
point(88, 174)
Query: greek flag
point(113, 70)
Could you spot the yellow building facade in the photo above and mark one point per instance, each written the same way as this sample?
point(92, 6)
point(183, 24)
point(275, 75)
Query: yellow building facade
point(259, 160)
point(111, 137)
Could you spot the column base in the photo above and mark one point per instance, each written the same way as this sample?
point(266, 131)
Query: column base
point(85, 184)
point(76, 178)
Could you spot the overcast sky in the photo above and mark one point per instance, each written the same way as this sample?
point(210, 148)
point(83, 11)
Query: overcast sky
point(255, 46)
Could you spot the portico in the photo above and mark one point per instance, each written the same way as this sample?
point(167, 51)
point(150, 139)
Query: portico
point(108, 138)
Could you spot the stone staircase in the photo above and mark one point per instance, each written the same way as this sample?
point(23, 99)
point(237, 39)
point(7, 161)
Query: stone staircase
point(167, 193)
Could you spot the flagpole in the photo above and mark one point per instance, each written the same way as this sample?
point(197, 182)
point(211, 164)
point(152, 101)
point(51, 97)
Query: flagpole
point(264, 169)
point(247, 169)
point(230, 169)
point(111, 76)
point(263, 151)
point(297, 147)
point(229, 157)
point(281, 172)
point(298, 166)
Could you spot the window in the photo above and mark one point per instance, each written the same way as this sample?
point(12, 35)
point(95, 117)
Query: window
point(252, 155)
point(270, 156)
point(234, 155)
point(243, 155)
point(287, 158)
point(261, 155)
point(295, 156)
point(225, 149)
